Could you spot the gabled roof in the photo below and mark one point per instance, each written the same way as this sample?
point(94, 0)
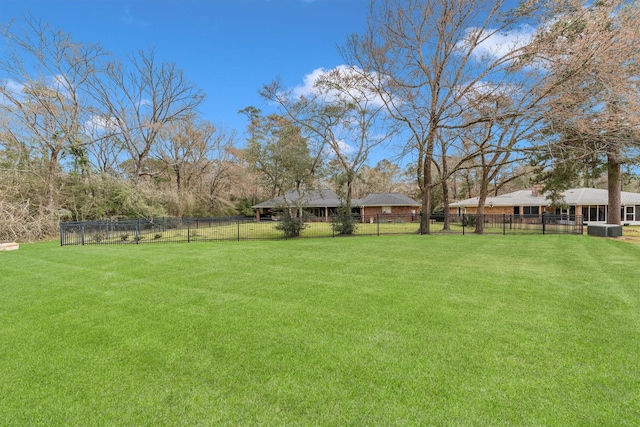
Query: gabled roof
point(595, 196)
point(572, 197)
point(311, 199)
point(517, 198)
point(328, 199)
point(388, 199)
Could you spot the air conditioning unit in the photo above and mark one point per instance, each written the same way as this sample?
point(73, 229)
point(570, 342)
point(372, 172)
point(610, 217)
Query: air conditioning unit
point(604, 230)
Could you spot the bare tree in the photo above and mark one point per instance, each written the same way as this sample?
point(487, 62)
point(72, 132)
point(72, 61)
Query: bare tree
point(278, 152)
point(226, 178)
point(384, 177)
point(424, 57)
point(500, 142)
point(343, 113)
point(594, 114)
point(44, 91)
point(138, 100)
point(195, 154)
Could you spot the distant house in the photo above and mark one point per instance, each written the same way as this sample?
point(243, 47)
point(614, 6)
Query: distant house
point(324, 204)
point(319, 203)
point(387, 204)
point(590, 203)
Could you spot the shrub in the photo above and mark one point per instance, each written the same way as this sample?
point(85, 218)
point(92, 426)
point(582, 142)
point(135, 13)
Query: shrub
point(469, 220)
point(157, 236)
point(124, 237)
point(290, 225)
point(344, 222)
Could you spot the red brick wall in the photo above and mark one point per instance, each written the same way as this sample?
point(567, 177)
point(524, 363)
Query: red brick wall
point(373, 211)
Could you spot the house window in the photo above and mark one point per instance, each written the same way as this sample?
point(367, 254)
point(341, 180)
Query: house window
point(569, 214)
point(386, 209)
point(630, 213)
point(531, 210)
point(516, 210)
point(637, 213)
point(594, 213)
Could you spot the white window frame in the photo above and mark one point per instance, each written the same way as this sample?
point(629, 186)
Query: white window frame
point(629, 213)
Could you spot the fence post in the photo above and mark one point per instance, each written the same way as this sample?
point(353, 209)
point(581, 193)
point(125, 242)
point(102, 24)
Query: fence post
point(543, 224)
point(188, 230)
point(464, 220)
point(378, 223)
point(61, 244)
point(138, 231)
point(238, 229)
point(580, 224)
point(504, 224)
point(82, 235)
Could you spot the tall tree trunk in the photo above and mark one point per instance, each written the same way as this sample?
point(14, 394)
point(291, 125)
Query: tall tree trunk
point(445, 197)
point(51, 178)
point(445, 178)
point(347, 201)
point(614, 184)
point(482, 199)
point(427, 183)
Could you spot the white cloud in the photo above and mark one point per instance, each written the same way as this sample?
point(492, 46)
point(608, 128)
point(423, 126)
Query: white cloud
point(343, 147)
point(56, 84)
point(13, 88)
point(307, 88)
point(59, 84)
point(99, 125)
point(497, 44)
point(351, 81)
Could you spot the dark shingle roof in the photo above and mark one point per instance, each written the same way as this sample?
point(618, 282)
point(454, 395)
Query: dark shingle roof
point(311, 199)
point(327, 198)
point(388, 199)
point(574, 196)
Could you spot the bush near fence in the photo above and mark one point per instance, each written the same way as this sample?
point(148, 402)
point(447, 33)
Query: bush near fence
point(163, 230)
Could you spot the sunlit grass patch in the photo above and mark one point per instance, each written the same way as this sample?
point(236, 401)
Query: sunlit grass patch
point(410, 330)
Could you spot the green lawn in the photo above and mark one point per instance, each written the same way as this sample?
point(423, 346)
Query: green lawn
point(393, 330)
point(265, 230)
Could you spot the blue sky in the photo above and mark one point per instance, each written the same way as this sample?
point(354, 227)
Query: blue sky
point(228, 48)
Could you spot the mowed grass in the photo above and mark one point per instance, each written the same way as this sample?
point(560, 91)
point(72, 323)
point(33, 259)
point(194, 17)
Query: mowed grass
point(264, 230)
point(393, 330)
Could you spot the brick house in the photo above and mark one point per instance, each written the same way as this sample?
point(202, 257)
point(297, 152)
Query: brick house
point(323, 205)
point(589, 203)
point(388, 205)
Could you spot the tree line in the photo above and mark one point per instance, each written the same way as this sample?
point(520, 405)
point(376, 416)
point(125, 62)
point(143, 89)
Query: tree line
point(473, 97)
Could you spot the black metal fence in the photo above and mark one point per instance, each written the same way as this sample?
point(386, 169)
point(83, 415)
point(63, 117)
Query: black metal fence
point(163, 230)
point(507, 224)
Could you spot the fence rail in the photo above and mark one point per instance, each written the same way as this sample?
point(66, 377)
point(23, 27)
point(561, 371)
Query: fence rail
point(512, 224)
point(163, 230)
